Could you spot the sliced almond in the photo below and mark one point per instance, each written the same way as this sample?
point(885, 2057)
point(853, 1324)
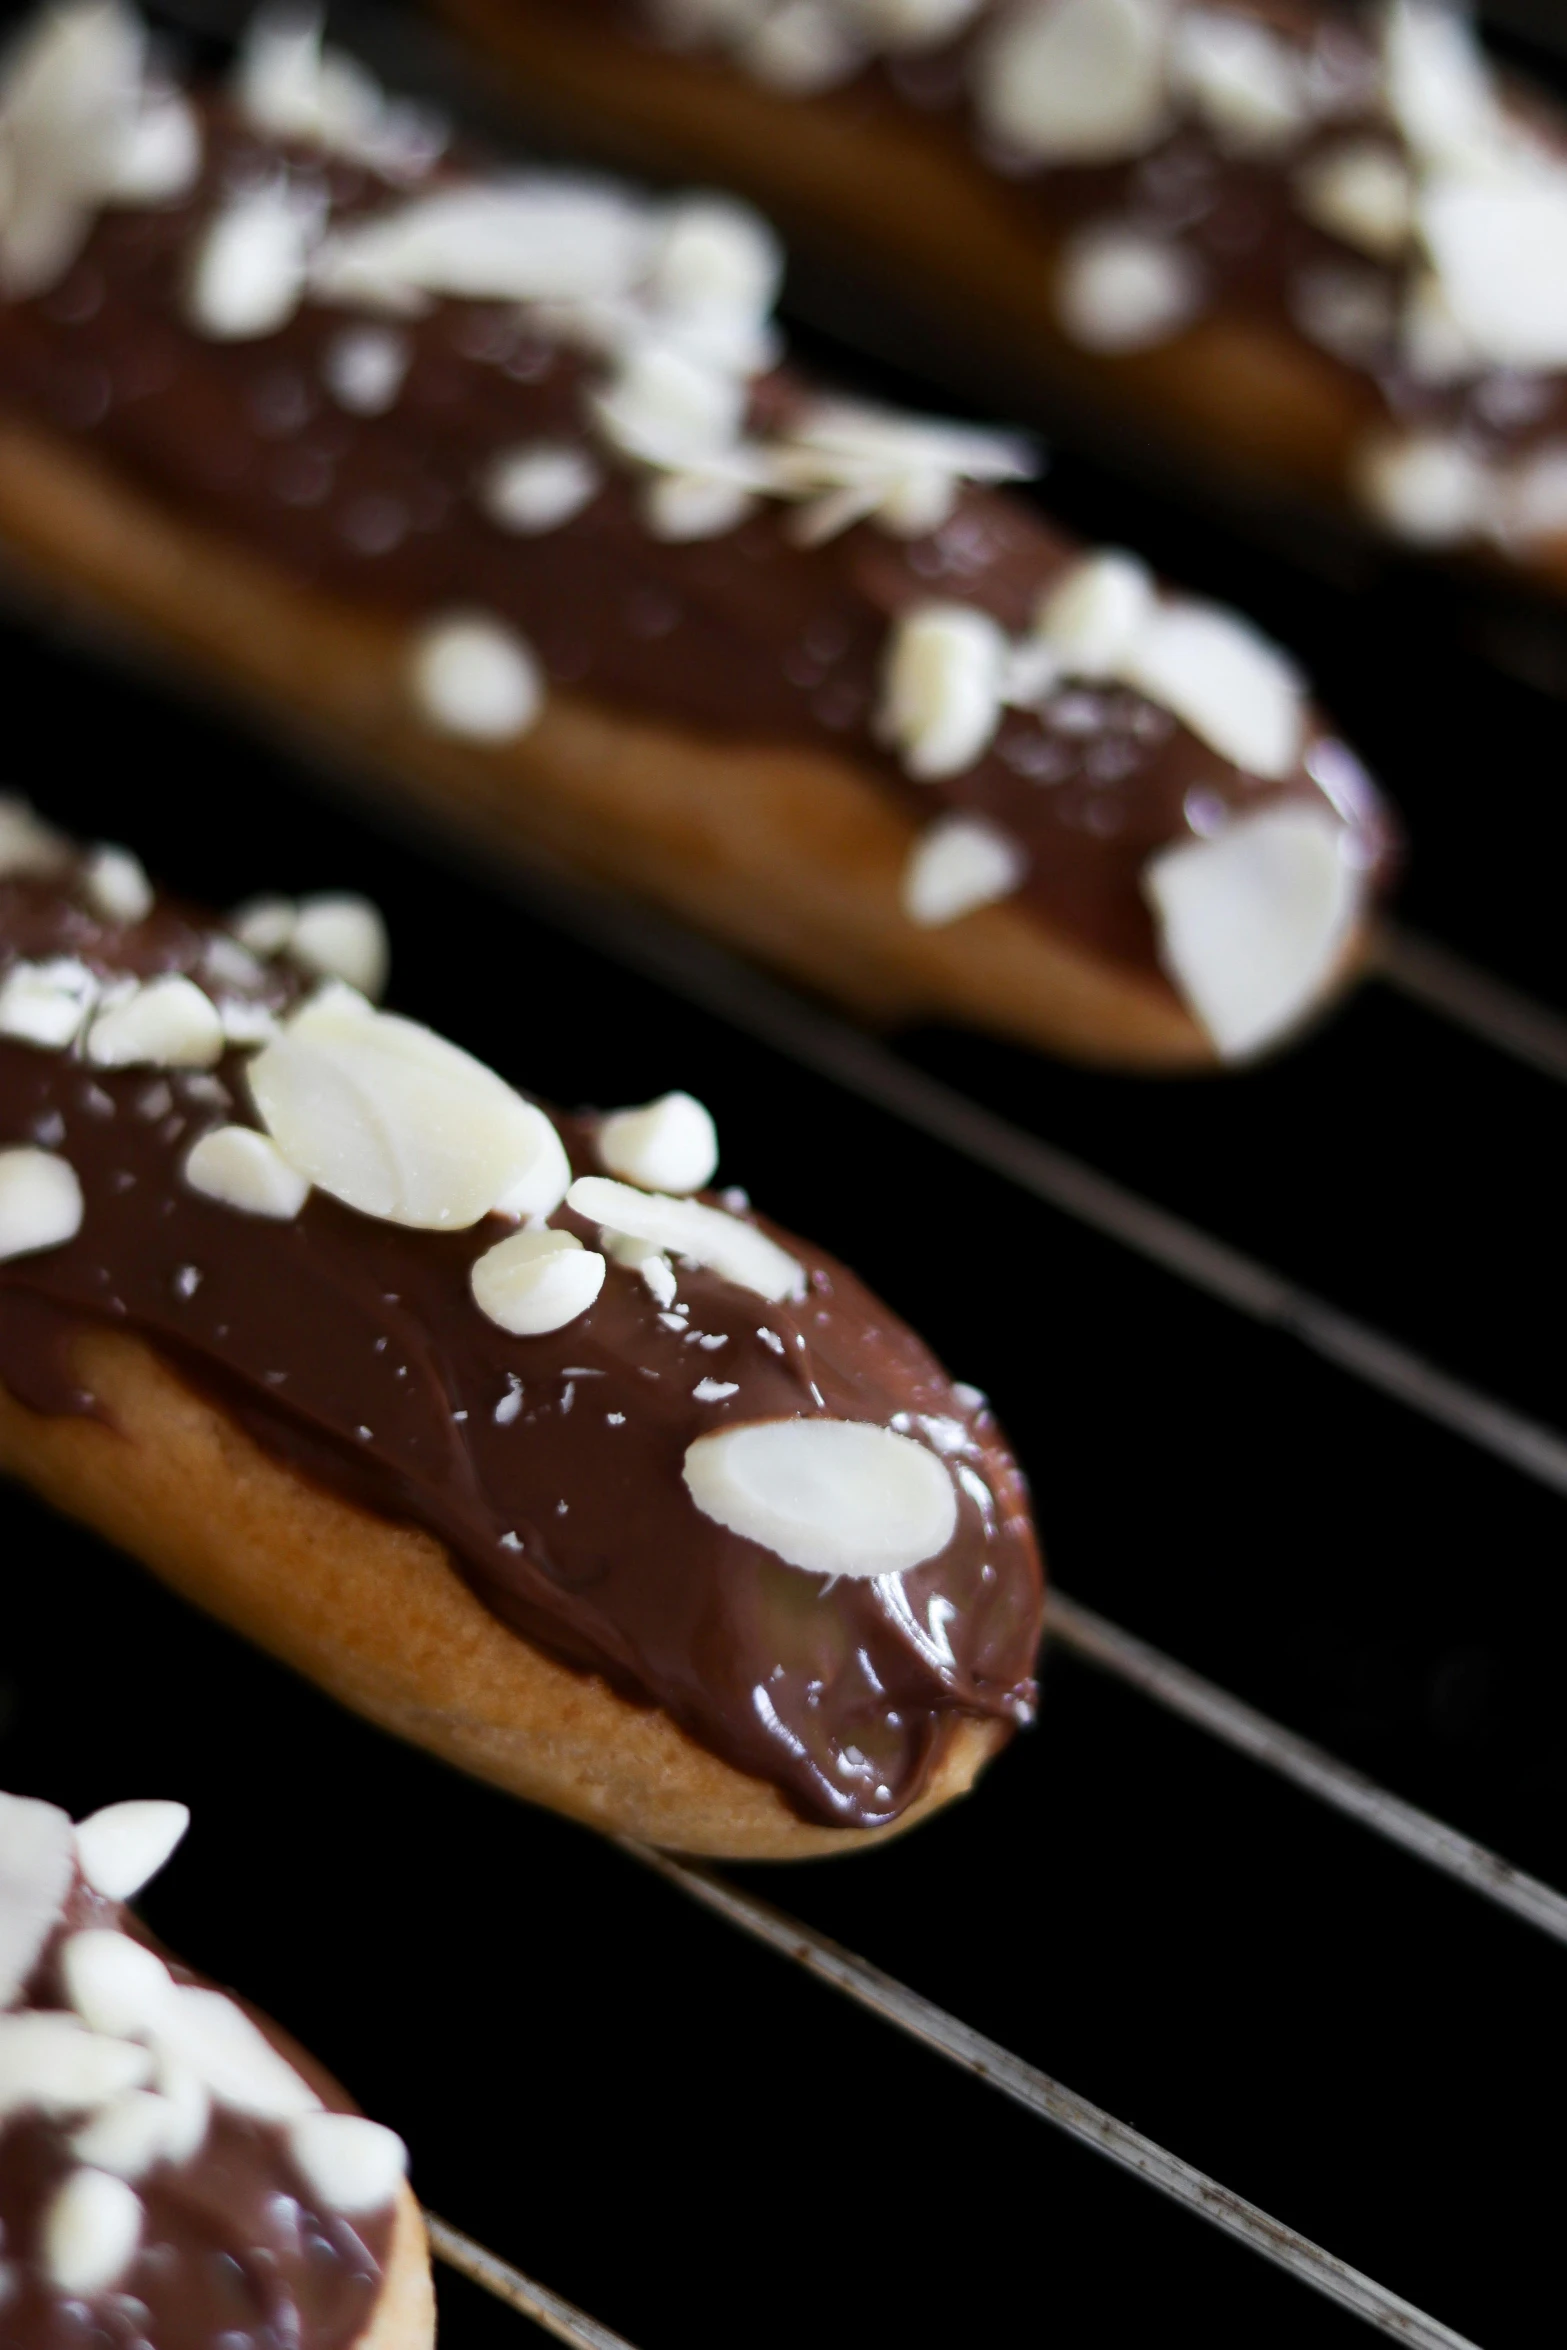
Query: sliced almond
point(40, 1202)
point(1254, 922)
point(92, 2227)
point(350, 2164)
point(36, 1867)
point(396, 1122)
point(47, 1004)
point(164, 1023)
point(246, 1171)
point(1501, 254)
point(944, 679)
point(1120, 289)
point(837, 1497)
point(536, 1281)
point(957, 865)
point(475, 677)
point(122, 1847)
point(1092, 618)
point(1226, 681)
point(1075, 81)
point(667, 1145)
point(342, 936)
point(685, 1228)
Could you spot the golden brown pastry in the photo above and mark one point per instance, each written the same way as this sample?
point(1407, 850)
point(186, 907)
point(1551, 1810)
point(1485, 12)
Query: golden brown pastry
point(496, 483)
point(504, 1427)
point(1317, 246)
point(175, 2174)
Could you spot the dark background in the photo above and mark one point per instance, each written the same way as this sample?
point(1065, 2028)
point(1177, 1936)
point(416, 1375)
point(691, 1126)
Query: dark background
point(684, 2134)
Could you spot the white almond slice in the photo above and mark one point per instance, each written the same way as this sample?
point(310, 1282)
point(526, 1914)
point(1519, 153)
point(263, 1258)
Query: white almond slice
point(1361, 192)
point(353, 2165)
point(538, 488)
point(1254, 922)
point(115, 1985)
point(1225, 681)
point(685, 1228)
point(364, 368)
point(957, 865)
point(717, 262)
point(681, 507)
point(1249, 86)
point(189, 2114)
point(158, 157)
point(1075, 81)
point(668, 1145)
point(942, 689)
point(247, 1171)
point(838, 1497)
point(476, 678)
point(91, 2232)
point(40, 1202)
point(246, 1024)
point(542, 238)
point(27, 845)
point(639, 1256)
point(232, 2056)
point(290, 87)
point(394, 1121)
point(122, 1847)
point(129, 2136)
point(165, 1023)
point(36, 1867)
point(265, 925)
point(801, 47)
point(47, 1004)
point(117, 885)
point(341, 936)
point(250, 266)
point(668, 408)
point(1501, 254)
point(1120, 289)
point(1438, 82)
point(68, 98)
point(51, 2064)
point(1093, 618)
point(536, 1281)
point(1426, 487)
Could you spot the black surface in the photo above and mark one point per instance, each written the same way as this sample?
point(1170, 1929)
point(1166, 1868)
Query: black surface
point(681, 2132)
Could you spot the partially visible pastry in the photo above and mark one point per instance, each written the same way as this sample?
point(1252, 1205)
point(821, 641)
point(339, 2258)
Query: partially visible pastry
point(505, 1427)
point(1322, 247)
point(175, 2174)
point(496, 483)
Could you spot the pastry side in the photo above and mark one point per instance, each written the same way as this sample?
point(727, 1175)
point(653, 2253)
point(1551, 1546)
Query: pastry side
point(374, 1614)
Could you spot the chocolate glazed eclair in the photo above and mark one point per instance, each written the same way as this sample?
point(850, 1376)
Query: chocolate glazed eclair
point(175, 2174)
point(496, 483)
point(483, 1418)
point(1319, 246)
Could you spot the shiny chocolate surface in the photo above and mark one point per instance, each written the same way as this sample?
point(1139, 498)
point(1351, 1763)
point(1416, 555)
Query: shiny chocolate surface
point(236, 2252)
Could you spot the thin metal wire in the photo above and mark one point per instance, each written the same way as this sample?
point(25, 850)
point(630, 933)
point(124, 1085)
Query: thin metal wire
point(1099, 1642)
point(910, 2012)
point(560, 2318)
point(1511, 1022)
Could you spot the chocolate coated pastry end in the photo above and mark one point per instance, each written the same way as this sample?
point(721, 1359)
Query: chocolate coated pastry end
point(175, 2173)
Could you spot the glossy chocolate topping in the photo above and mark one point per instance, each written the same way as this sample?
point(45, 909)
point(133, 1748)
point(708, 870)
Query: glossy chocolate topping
point(235, 2249)
point(748, 636)
point(551, 1466)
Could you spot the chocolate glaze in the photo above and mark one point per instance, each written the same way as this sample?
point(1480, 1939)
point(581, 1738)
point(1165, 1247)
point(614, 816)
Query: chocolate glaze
point(1237, 215)
point(747, 637)
point(233, 2249)
point(550, 1466)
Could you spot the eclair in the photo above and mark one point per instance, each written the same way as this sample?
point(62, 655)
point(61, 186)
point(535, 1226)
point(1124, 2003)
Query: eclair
point(504, 1427)
point(175, 2174)
point(1319, 249)
point(494, 484)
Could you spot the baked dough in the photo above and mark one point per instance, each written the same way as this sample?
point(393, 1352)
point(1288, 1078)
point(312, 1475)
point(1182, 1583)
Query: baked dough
point(376, 1614)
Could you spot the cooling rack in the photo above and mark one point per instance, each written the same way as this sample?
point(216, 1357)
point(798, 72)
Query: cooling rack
point(1134, 1899)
